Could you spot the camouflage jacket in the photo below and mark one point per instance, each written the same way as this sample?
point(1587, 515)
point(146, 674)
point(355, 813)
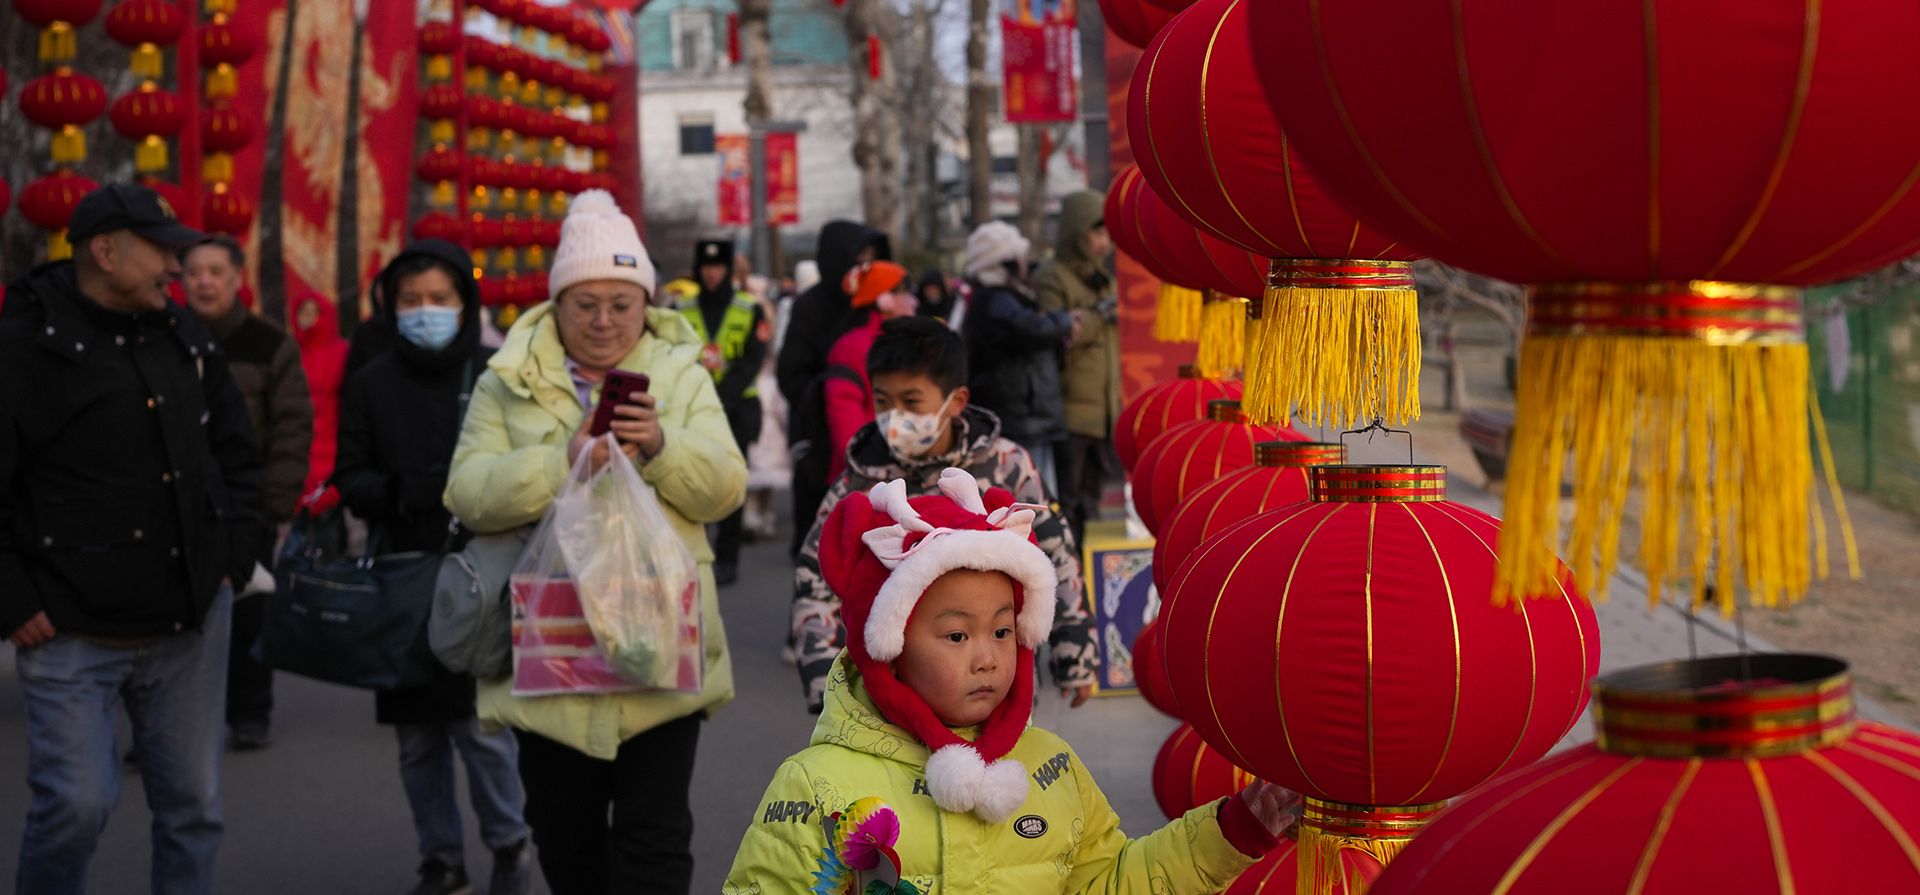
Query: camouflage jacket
point(818, 634)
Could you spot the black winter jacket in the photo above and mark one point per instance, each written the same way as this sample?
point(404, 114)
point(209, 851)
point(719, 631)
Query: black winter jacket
point(1013, 362)
point(130, 482)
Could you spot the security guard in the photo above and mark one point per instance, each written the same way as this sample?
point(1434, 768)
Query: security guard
point(736, 334)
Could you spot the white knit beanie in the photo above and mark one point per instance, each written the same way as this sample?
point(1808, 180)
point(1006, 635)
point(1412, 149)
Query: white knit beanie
point(992, 244)
point(805, 275)
point(598, 242)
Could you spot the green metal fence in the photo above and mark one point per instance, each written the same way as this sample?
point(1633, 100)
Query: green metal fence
point(1866, 371)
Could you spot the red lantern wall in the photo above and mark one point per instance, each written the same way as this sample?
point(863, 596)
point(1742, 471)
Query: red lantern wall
point(1190, 455)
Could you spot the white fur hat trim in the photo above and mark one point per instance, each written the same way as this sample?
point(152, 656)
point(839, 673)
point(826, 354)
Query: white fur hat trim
point(945, 551)
point(959, 780)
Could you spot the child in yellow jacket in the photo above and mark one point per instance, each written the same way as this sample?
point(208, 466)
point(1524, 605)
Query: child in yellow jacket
point(924, 777)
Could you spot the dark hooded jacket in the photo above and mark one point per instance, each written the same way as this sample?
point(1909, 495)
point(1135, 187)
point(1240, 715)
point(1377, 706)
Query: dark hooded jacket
point(129, 478)
point(1073, 282)
point(940, 308)
point(399, 420)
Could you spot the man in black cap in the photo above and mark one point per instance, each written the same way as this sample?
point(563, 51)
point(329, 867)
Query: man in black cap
point(736, 336)
point(129, 503)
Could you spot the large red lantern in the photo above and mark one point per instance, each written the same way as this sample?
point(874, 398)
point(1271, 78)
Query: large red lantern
point(1210, 143)
point(1164, 406)
point(1277, 477)
point(1728, 154)
point(146, 26)
point(148, 116)
point(48, 202)
point(1730, 774)
point(1192, 454)
point(1199, 260)
point(63, 101)
point(1150, 670)
point(1276, 873)
point(57, 20)
point(1187, 774)
point(1347, 648)
point(1135, 21)
point(1176, 315)
point(225, 128)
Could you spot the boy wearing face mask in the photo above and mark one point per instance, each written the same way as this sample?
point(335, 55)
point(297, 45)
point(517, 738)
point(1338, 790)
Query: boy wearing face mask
point(924, 424)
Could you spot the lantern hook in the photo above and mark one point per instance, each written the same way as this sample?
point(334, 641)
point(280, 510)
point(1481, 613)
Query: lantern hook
point(1380, 425)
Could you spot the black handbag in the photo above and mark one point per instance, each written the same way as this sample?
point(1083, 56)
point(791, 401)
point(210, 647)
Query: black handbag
point(360, 621)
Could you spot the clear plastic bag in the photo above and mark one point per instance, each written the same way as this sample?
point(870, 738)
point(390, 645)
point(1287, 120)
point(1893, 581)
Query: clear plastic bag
point(606, 598)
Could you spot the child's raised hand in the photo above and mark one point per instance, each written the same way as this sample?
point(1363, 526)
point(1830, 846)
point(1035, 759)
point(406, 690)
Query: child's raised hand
point(1276, 807)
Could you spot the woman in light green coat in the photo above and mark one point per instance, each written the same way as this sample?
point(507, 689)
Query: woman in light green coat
point(606, 774)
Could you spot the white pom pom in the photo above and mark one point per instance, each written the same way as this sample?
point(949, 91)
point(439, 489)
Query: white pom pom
point(594, 202)
point(1002, 791)
point(954, 777)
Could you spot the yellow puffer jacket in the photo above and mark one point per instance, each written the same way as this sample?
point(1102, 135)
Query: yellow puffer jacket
point(512, 460)
point(1064, 838)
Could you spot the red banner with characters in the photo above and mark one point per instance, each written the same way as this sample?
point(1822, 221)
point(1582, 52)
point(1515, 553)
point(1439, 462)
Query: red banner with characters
point(783, 179)
point(736, 179)
point(1036, 55)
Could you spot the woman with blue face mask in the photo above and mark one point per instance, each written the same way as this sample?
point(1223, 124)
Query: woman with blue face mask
point(400, 418)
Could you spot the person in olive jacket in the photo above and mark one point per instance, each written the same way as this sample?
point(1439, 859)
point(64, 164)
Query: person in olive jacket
point(399, 420)
point(129, 503)
point(1076, 281)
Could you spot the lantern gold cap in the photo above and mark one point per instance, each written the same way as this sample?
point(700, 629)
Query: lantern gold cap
point(1225, 410)
point(1378, 484)
point(1298, 453)
point(1757, 706)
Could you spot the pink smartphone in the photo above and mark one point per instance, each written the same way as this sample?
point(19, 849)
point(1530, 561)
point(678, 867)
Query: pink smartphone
point(619, 389)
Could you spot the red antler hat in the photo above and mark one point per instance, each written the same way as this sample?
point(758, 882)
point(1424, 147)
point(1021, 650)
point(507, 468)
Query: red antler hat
point(880, 551)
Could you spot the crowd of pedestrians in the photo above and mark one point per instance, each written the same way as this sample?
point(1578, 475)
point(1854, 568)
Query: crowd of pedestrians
point(160, 437)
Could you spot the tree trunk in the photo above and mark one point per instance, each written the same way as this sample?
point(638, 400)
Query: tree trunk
point(756, 52)
point(272, 265)
point(876, 138)
point(347, 261)
point(1032, 170)
point(980, 110)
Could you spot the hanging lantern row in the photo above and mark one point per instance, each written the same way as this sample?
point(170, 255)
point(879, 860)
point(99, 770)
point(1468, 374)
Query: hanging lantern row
point(57, 21)
point(501, 59)
point(580, 32)
point(225, 128)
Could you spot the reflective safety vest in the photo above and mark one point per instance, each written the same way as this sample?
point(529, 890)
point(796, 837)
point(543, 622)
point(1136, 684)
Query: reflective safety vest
point(736, 327)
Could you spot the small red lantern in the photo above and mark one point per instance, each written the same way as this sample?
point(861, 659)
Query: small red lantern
point(57, 20)
point(1348, 649)
point(493, 291)
point(225, 128)
point(1164, 406)
point(441, 101)
point(63, 101)
point(440, 225)
point(439, 164)
point(1150, 670)
point(6, 195)
point(1728, 774)
point(439, 38)
point(175, 196)
point(223, 49)
point(48, 202)
point(149, 116)
point(486, 232)
point(224, 210)
point(1192, 454)
point(1187, 773)
point(146, 26)
point(1278, 477)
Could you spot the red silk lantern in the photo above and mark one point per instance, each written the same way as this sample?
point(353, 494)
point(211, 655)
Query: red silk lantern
point(48, 202)
point(1163, 407)
point(1276, 873)
point(440, 225)
point(57, 20)
point(225, 128)
point(149, 116)
point(223, 49)
point(1210, 144)
point(1278, 477)
point(1150, 670)
point(224, 210)
point(1192, 454)
point(1736, 152)
point(63, 101)
point(591, 37)
point(439, 38)
point(1346, 648)
point(439, 164)
point(1191, 259)
point(1740, 779)
point(1135, 21)
point(441, 101)
point(1177, 313)
point(145, 26)
point(1187, 774)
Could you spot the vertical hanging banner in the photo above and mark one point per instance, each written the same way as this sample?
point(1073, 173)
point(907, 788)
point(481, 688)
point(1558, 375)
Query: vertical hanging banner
point(783, 179)
point(736, 180)
point(1036, 56)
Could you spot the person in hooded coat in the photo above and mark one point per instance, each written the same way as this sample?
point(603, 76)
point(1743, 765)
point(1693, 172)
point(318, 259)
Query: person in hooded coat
point(400, 419)
point(939, 300)
point(819, 316)
point(323, 355)
point(1076, 281)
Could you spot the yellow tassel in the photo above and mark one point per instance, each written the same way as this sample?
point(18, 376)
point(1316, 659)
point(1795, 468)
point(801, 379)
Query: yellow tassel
point(57, 43)
point(442, 194)
point(479, 262)
point(69, 146)
point(150, 155)
point(223, 82)
point(479, 139)
point(600, 113)
point(530, 93)
point(148, 62)
point(530, 203)
point(217, 168)
point(58, 249)
point(594, 64)
point(1334, 357)
point(536, 258)
point(602, 159)
point(1223, 337)
point(226, 6)
point(1336, 841)
point(507, 259)
point(557, 206)
point(1708, 440)
point(508, 314)
point(441, 131)
point(553, 96)
point(1177, 317)
point(440, 68)
point(476, 79)
point(482, 199)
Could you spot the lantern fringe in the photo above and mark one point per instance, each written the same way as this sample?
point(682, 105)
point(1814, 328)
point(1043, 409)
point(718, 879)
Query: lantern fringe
point(1334, 357)
point(223, 82)
point(1319, 869)
point(69, 145)
point(1714, 437)
point(58, 248)
point(1223, 337)
point(58, 43)
point(1177, 316)
point(439, 68)
point(148, 62)
point(150, 155)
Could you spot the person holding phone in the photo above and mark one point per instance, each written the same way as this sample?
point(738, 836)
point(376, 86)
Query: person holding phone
point(606, 775)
